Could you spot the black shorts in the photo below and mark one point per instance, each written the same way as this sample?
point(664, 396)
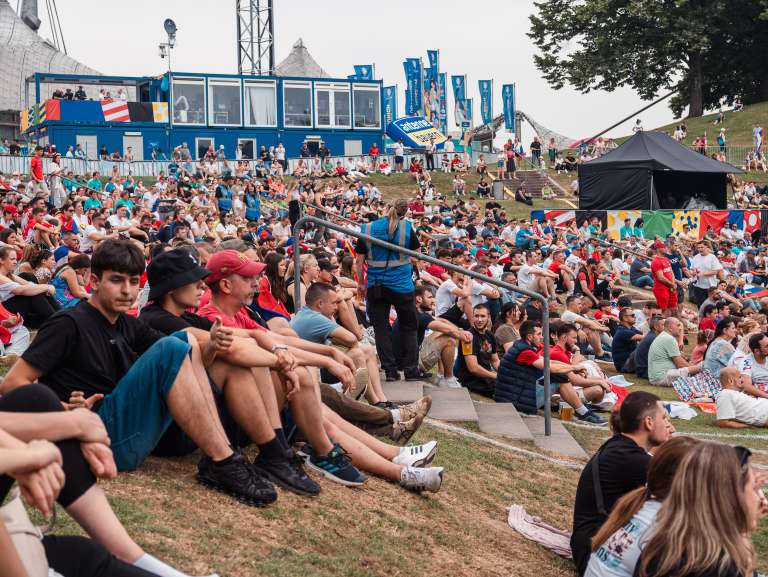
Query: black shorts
point(456, 316)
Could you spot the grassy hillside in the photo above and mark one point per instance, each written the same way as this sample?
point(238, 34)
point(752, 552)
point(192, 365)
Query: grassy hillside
point(738, 125)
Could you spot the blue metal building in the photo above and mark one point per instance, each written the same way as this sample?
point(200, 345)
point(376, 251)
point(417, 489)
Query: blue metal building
point(207, 110)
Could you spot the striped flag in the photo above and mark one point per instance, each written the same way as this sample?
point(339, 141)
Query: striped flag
point(115, 110)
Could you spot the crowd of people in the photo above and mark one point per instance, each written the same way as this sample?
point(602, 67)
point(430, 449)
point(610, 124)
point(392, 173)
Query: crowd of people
point(170, 318)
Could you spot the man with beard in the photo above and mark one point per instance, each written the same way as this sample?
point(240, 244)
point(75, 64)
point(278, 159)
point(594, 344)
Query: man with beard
point(440, 345)
point(478, 361)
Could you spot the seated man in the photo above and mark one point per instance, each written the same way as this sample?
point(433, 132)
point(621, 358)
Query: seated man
point(625, 338)
point(137, 380)
point(735, 408)
point(440, 346)
point(754, 367)
point(315, 323)
point(520, 369)
point(478, 359)
point(640, 356)
point(665, 361)
point(590, 331)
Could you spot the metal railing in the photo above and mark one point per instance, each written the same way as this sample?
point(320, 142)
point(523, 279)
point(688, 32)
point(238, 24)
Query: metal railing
point(446, 265)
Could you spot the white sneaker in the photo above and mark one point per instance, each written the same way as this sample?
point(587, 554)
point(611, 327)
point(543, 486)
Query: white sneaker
point(418, 480)
point(416, 455)
point(450, 383)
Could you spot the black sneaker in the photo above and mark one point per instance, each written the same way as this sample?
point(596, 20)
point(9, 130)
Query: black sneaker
point(288, 474)
point(392, 376)
point(235, 477)
point(417, 375)
point(335, 466)
point(388, 405)
point(592, 418)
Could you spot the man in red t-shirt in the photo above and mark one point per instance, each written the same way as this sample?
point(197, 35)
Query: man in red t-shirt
point(664, 287)
point(566, 277)
point(38, 184)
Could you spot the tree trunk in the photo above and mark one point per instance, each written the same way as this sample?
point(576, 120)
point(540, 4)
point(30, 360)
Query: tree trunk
point(695, 85)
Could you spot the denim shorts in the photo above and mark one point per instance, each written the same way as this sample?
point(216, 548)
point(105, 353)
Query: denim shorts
point(136, 413)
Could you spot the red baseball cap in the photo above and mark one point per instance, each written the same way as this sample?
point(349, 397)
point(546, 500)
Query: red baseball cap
point(11, 209)
point(659, 244)
point(229, 262)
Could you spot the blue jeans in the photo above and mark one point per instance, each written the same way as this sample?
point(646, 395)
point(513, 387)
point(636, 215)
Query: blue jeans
point(644, 281)
point(136, 413)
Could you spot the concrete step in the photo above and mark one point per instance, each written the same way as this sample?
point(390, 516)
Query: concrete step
point(502, 419)
point(452, 405)
point(560, 442)
point(403, 392)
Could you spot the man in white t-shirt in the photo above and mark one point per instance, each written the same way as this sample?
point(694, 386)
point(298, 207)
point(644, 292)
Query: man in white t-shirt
point(735, 408)
point(453, 300)
point(753, 368)
point(534, 278)
point(708, 269)
point(95, 233)
point(590, 331)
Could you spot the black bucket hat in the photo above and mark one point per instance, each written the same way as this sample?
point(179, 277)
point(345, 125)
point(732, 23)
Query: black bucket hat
point(171, 270)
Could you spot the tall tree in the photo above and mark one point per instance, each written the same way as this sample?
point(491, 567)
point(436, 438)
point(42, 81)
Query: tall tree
point(649, 45)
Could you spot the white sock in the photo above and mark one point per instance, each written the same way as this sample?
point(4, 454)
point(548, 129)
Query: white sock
point(395, 415)
point(582, 410)
point(154, 565)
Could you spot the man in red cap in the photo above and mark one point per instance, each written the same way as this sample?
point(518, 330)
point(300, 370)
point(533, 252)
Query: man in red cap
point(664, 286)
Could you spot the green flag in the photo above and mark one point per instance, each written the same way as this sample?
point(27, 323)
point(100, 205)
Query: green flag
point(657, 223)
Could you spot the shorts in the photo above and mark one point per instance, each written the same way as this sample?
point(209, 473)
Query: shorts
point(671, 376)
point(429, 353)
point(666, 299)
point(136, 414)
point(398, 160)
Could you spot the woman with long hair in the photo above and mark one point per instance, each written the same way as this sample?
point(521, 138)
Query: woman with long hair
point(37, 265)
point(703, 528)
point(508, 330)
point(721, 348)
point(272, 296)
point(617, 545)
point(32, 301)
point(70, 281)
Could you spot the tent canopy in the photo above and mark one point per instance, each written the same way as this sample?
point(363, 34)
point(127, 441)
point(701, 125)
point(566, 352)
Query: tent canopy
point(651, 171)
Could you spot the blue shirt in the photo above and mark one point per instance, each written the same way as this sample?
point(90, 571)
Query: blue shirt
point(522, 236)
point(312, 325)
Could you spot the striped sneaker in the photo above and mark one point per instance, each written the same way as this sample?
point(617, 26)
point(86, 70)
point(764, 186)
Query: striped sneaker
point(336, 466)
point(419, 480)
point(416, 455)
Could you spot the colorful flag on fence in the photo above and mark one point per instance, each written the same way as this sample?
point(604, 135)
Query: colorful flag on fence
point(657, 223)
point(558, 217)
point(53, 109)
point(115, 110)
point(160, 111)
point(714, 218)
point(683, 217)
point(746, 220)
point(616, 221)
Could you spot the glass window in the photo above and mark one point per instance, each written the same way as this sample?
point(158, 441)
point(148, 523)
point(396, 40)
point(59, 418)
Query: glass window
point(367, 108)
point(260, 104)
point(297, 104)
point(188, 101)
point(224, 102)
point(323, 108)
point(341, 107)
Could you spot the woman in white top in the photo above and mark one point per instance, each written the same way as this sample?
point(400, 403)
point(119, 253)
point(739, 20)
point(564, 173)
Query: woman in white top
point(34, 302)
point(617, 546)
point(58, 191)
point(200, 228)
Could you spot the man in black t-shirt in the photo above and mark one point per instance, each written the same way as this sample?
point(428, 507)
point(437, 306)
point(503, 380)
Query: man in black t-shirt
point(135, 378)
point(478, 360)
point(622, 464)
point(236, 366)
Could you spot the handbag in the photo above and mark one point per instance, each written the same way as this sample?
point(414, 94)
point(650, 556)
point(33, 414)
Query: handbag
point(26, 537)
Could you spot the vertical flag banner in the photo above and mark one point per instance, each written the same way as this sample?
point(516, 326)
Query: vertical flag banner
point(389, 96)
point(443, 100)
point(458, 82)
point(412, 68)
point(418, 101)
point(434, 60)
point(486, 100)
point(363, 71)
point(468, 117)
point(508, 100)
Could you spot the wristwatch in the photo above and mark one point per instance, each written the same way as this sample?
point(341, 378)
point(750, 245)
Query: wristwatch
point(279, 346)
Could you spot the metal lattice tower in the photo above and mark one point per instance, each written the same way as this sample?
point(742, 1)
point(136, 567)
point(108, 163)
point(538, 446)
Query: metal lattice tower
point(255, 37)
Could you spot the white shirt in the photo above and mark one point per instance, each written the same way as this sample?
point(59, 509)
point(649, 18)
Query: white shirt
point(448, 147)
point(228, 230)
point(115, 221)
point(525, 277)
point(399, 149)
point(444, 297)
point(757, 372)
point(477, 288)
point(700, 264)
point(737, 406)
point(86, 243)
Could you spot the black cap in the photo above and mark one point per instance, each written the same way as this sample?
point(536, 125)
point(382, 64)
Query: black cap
point(171, 270)
point(326, 264)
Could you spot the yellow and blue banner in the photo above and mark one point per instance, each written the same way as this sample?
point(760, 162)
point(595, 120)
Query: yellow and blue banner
point(415, 132)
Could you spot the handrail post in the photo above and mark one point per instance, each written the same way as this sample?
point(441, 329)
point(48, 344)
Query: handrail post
point(446, 265)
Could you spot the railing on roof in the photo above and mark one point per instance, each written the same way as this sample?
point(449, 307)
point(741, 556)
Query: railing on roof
point(446, 265)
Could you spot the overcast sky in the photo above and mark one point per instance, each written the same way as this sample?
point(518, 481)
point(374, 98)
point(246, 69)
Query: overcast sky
point(483, 39)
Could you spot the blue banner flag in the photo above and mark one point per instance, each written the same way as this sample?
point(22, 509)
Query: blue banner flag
point(486, 100)
point(443, 99)
point(413, 79)
point(458, 81)
point(389, 96)
point(363, 72)
point(508, 99)
point(434, 60)
point(468, 111)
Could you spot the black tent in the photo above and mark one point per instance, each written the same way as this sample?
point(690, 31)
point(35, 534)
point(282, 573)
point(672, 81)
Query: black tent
point(651, 171)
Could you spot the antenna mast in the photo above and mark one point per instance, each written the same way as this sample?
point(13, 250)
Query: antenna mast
point(255, 37)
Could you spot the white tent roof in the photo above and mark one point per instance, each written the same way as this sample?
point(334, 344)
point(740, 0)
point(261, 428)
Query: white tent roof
point(300, 63)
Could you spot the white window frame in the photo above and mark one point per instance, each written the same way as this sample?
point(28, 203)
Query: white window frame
point(300, 84)
point(246, 115)
point(332, 88)
point(255, 145)
point(193, 81)
point(213, 82)
point(197, 156)
point(365, 88)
